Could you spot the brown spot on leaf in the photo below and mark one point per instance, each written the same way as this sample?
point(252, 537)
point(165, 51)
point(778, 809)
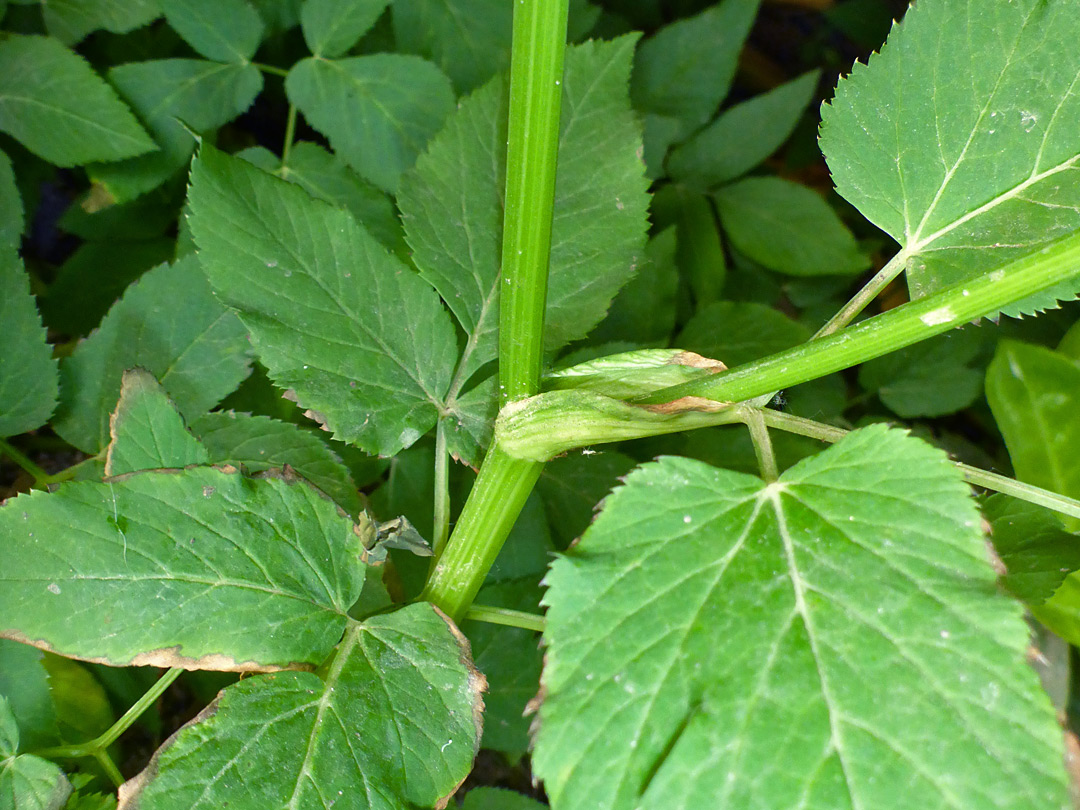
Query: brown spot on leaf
point(685, 404)
point(695, 360)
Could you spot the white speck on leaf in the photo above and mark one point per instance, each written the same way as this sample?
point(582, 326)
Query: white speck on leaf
point(53, 588)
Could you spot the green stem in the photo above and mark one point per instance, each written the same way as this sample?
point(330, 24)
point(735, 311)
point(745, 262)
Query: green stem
point(973, 475)
point(867, 294)
point(504, 483)
point(271, 69)
point(90, 749)
point(759, 435)
point(506, 617)
point(290, 134)
point(40, 476)
point(442, 491)
point(107, 765)
point(892, 330)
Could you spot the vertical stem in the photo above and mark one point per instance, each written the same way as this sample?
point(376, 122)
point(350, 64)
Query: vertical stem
point(290, 134)
point(504, 483)
point(759, 434)
point(442, 491)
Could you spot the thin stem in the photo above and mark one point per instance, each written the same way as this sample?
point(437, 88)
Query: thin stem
point(40, 476)
point(867, 294)
point(90, 749)
point(506, 617)
point(892, 330)
point(442, 491)
point(973, 475)
point(532, 150)
point(759, 435)
point(271, 69)
point(107, 765)
point(290, 134)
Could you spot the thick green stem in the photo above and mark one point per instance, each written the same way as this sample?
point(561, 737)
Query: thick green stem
point(895, 329)
point(532, 149)
point(759, 435)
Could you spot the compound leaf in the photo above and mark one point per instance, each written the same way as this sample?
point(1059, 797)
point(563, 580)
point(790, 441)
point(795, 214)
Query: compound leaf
point(200, 568)
point(360, 338)
point(377, 111)
point(71, 20)
point(958, 139)
point(792, 644)
point(53, 103)
point(28, 375)
point(222, 30)
point(147, 431)
point(26, 781)
point(393, 721)
point(170, 324)
point(331, 27)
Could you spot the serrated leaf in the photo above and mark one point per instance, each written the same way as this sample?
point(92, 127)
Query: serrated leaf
point(377, 111)
point(258, 443)
point(175, 97)
point(393, 722)
point(1033, 545)
point(957, 139)
point(169, 323)
point(471, 421)
point(201, 568)
point(71, 20)
point(327, 177)
point(222, 30)
point(933, 378)
point(571, 486)
point(11, 206)
point(685, 69)
point(743, 136)
point(147, 431)
point(26, 782)
point(362, 340)
point(53, 103)
point(452, 202)
point(468, 39)
point(788, 228)
point(644, 310)
point(28, 375)
point(490, 798)
point(792, 644)
point(331, 27)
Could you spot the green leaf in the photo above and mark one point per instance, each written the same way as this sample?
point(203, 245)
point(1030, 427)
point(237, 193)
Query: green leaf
point(451, 203)
point(377, 111)
point(468, 39)
point(685, 69)
point(26, 782)
point(28, 375)
point(490, 798)
point(788, 228)
point(737, 332)
point(362, 340)
point(258, 443)
point(147, 431)
point(792, 644)
point(83, 711)
point(743, 136)
point(326, 177)
point(71, 20)
point(956, 141)
point(571, 486)
point(393, 722)
point(471, 420)
point(168, 323)
point(644, 310)
point(11, 206)
point(1033, 545)
point(331, 27)
point(23, 681)
point(175, 97)
point(222, 30)
point(53, 103)
point(201, 568)
point(933, 378)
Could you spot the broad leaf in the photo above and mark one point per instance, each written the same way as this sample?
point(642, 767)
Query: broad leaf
point(71, 20)
point(331, 27)
point(571, 486)
point(175, 97)
point(362, 340)
point(378, 112)
point(222, 30)
point(393, 722)
point(258, 443)
point(147, 431)
point(452, 202)
point(26, 782)
point(958, 139)
point(788, 228)
point(168, 323)
point(490, 798)
point(468, 39)
point(794, 644)
point(25, 684)
point(470, 421)
point(11, 207)
point(736, 332)
point(743, 136)
point(53, 103)
point(644, 310)
point(203, 569)
point(28, 376)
